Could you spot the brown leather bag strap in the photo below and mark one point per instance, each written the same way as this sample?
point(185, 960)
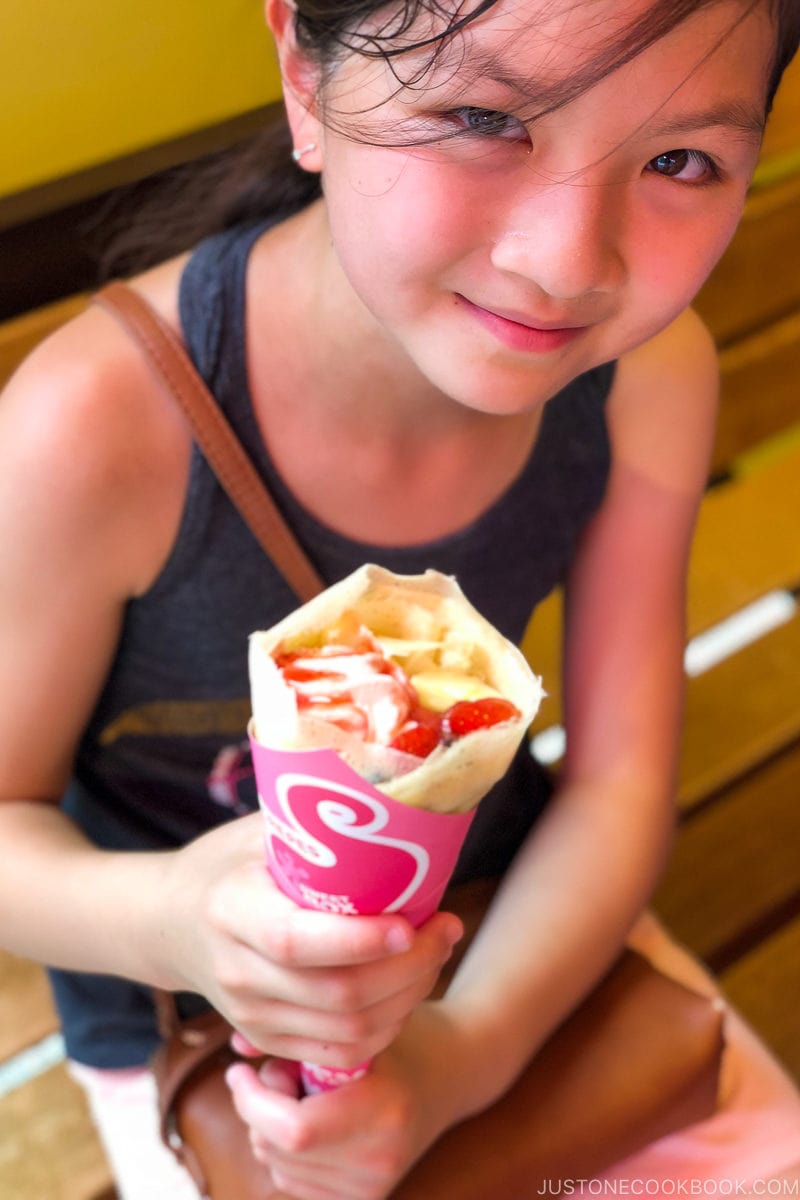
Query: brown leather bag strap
point(221, 448)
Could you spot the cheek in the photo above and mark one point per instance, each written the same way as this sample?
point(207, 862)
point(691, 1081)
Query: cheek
point(674, 265)
point(398, 223)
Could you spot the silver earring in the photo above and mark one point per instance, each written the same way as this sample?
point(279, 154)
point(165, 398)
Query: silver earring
point(298, 154)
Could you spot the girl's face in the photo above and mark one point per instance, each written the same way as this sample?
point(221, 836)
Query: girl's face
point(508, 259)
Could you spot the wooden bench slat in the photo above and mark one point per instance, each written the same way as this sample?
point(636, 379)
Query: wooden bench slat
point(747, 542)
point(765, 985)
point(740, 713)
point(541, 645)
point(756, 281)
point(49, 1149)
point(19, 336)
point(784, 122)
point(760, 394)
point(26, 1006)
point(734, 862)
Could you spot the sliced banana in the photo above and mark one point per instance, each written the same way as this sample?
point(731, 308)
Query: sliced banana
point(440, 690)
point(401, 648)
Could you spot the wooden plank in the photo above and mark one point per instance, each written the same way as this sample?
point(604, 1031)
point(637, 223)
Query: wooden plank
point(18, 337)
point(760, 391)
point(26, 1006)
point(747, 542)
point(735, 862)
point(757, 280)
point(765, 985)
point(783, 127)
point(541, 645)
point(48, 1146)
point(740, 714)
point(92, 182)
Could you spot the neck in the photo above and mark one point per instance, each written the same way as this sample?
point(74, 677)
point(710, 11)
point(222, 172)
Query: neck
point(345, 364)
point(346, 415)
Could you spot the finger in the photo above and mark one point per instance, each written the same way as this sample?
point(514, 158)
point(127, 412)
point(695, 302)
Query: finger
point(253, 910)
point(296, 1185)
point(268, 1023)
point(297, 937)
point(247, 906)
point(308, 1144)
point(304, 1189)
point(299, 1127)
point(353, 987)
point(335, 1017)
point(288, 1128)
point(336, 1169)
point(271, 1115)
point(240, 1045)
point(321, 1175)
point(342, 1056)
point(280, 1075)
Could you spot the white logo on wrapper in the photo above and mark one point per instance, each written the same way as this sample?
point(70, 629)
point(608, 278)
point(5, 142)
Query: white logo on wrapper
point(341, 819)
point(324, 1079)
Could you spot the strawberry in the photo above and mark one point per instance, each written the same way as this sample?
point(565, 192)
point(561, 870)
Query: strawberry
point(468, 715)
point(417, 737)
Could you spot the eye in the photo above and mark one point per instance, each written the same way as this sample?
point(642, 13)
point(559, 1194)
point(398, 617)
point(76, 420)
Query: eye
point(489, 122)
point(689, 166)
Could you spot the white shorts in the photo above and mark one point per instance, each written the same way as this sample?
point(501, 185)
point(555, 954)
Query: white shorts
point(124, 1107)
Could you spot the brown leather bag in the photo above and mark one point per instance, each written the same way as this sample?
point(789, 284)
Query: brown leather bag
point(639, 1059)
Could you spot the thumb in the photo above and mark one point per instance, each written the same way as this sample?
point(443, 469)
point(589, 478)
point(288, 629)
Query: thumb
point(240, 1045)
point(269, 1106)
point(281, 1075)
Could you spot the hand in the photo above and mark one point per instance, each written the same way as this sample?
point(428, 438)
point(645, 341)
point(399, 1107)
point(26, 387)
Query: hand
point(298, 984)
point(357, 1142)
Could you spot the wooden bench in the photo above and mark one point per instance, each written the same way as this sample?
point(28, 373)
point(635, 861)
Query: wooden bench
point(732, 892)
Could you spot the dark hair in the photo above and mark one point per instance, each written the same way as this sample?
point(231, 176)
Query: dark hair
point(326, 29)
point(787, 22)
point(256, 179)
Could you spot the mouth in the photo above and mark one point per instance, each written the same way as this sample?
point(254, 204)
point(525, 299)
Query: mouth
point(521, 332)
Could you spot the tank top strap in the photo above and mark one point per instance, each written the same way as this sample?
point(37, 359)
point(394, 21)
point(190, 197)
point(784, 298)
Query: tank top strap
point(211, 302)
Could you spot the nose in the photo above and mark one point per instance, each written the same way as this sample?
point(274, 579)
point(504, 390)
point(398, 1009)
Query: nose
point(566, 238)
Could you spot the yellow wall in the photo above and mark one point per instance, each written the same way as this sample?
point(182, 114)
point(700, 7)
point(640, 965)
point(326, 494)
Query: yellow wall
point(85, 81)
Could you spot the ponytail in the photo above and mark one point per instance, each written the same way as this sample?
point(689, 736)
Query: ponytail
point(251, 181)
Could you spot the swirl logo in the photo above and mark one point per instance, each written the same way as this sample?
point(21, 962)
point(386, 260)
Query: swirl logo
point(345, 837)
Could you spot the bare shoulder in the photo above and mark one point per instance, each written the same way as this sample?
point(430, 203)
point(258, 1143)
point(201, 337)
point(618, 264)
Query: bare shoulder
point(84, 423)
point(663, 405)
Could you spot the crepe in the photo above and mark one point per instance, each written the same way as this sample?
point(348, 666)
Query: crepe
point(425, 624)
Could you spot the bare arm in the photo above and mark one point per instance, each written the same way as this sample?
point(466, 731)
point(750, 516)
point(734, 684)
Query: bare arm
point(93, 465)
point(595, 855)
point(83, 452)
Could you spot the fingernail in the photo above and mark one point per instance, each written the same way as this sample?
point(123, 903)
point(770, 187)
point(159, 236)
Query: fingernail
point(455, 932)
point(398, 940)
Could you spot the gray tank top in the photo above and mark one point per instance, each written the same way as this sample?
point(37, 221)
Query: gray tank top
point(164, 756)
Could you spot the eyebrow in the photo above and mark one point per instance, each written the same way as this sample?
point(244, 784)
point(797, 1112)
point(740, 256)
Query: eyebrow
point(737, 114)
point(745, 118)
point(733, 114)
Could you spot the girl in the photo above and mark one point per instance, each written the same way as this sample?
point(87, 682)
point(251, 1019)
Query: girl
point(471, 349)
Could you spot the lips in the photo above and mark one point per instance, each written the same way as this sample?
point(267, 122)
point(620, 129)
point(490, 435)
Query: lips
point(520, 332)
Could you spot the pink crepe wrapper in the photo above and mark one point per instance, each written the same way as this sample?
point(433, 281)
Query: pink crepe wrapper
point(336, 844)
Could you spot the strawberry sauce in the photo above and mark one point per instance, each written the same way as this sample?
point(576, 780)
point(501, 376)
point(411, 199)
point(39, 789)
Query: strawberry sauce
point(360, 690)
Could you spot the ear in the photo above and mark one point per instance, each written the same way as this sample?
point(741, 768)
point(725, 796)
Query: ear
point(300, 77)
